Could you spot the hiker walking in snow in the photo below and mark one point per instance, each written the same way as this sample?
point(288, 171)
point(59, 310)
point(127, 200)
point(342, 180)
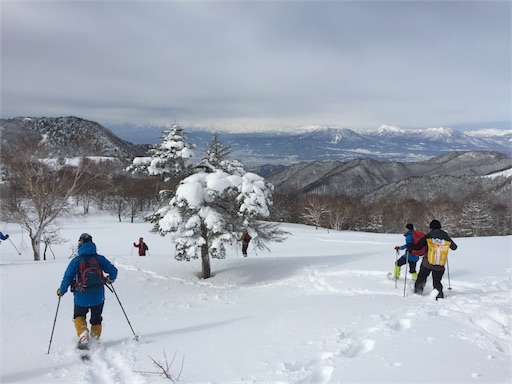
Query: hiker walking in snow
point(245, 239)
point(438, 244)
point(411, 257)
point(84, 275)
point(143, 247)
point(3, 237)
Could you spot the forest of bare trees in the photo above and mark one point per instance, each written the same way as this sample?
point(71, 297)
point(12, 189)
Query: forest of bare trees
point(475, 217)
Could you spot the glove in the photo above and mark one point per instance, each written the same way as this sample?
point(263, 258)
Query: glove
point(6, 236)
point(110, 281)
point(59, 293)
point(397, 248)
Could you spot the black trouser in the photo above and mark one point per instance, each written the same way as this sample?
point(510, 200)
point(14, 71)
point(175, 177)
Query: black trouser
point(412, 264)
point(422, 279)
point(244, 248)
point(96, 312)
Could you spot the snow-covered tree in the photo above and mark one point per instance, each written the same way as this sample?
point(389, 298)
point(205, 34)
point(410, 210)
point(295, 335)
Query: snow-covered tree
point(211, 207)
point(168, 158)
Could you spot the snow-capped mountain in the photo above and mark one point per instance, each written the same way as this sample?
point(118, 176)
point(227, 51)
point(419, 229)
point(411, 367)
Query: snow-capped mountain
point(270, 148)
point(69, 135)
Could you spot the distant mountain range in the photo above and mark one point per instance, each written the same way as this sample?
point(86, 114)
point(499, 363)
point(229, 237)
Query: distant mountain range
point(266, 150)
point(455, 174)
point(389, 161)
point(323, 144)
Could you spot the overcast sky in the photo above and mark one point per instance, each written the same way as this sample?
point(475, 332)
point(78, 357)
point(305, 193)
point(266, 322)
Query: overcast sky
point(260, 65)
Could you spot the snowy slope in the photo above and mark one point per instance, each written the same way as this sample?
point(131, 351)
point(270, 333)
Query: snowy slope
point(316, 309)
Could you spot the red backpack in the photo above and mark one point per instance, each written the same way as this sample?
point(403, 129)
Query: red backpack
point(416, 236)
point(90, 275)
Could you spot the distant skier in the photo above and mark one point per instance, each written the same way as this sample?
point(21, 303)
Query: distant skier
point(143, 247)
point(411, 257)
point(245, 239)
point(438, 244)
point(84, 275)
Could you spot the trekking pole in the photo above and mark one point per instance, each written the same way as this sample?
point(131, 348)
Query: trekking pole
point(448, 269)
point(406, 265)
point(19, 253)
point(111, 287)
point(396, 259)
point(53, 329)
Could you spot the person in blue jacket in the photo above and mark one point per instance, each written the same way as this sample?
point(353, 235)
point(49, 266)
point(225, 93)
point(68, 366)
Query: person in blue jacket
point(412, 259)
point(86, 299)
point(3, 237)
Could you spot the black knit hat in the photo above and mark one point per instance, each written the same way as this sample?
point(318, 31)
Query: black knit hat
point(435, 224)
point(84, 238)
point(409, 227)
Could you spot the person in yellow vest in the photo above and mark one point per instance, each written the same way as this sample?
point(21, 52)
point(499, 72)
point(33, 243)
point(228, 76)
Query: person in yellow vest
point(438, 244)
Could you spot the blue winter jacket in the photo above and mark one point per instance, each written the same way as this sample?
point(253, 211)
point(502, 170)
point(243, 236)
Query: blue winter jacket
point(2, 237)
point(409, 240)
point(87, 299)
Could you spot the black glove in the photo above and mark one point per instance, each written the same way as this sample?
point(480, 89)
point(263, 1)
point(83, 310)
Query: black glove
point(6, 236)
point(397, 248)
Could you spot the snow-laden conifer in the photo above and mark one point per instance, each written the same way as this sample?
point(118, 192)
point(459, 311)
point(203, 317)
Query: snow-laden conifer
point(211, 207)
point(168, 158)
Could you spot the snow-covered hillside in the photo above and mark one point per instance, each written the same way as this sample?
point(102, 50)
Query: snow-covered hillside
point(318, 308)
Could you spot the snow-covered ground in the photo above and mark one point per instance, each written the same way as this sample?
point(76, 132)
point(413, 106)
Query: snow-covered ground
point(318, 308)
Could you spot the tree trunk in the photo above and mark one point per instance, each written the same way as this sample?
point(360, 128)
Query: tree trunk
point(36, 246)
point(205, 257)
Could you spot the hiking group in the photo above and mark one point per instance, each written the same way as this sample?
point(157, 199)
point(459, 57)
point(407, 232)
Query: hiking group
point(85, 274)
point(433, 248)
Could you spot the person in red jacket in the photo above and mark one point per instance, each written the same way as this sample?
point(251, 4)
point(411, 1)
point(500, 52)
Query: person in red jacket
point(143, 247)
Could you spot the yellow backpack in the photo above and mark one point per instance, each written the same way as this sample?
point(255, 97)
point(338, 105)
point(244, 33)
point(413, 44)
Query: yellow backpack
point(438, 251)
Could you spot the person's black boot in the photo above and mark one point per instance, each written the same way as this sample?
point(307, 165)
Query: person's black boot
point(440, 295)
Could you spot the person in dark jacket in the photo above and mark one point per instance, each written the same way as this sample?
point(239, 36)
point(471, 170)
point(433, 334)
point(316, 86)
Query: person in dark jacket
point(87, 300)
point(438, 244)
point(407, 257)
point(245, 239)
point(3, 237)
point(143, 247)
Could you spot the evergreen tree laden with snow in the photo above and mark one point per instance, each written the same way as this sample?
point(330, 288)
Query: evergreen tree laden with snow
point(168, 159)
point(212, 206)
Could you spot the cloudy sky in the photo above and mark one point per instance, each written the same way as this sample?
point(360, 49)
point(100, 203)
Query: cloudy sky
point(260, 65)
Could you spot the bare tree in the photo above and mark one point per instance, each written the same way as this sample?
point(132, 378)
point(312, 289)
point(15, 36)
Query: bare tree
point(315, 210)
point(45, 186)
point(475, 219)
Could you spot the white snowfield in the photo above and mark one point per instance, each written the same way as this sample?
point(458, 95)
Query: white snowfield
point(318, 308)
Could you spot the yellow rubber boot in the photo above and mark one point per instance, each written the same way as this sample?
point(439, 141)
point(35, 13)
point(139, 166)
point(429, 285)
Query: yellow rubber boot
point(414, 276)
point(396, 272)
point(80, 325)
point(96, 331)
